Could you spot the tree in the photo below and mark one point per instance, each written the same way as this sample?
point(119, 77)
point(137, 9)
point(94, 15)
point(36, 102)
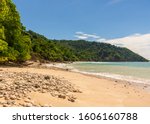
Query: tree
point(13, 33)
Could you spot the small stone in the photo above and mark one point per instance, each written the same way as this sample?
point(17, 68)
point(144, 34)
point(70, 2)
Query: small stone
point(10, 102)
point(44, 91)
point(28, 105)
point(12, 97)
point(3, 102)
point(71, 98)
point(27, 100)
point(1, 96)
point(36, 86)
point(18, 98)
point(24, 92)
point(45, 105)
point(47, 77)
point(29, 97)
point(2, 88)
point(62, 96)
point(77, 91)
point(7, 98)
point(5, 105)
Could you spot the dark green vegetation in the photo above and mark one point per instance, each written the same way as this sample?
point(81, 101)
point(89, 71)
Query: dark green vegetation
point(14, 42)
point(80, 50)
point(18, 45)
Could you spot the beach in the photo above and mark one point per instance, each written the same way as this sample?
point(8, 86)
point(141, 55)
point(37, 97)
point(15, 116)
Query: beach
point(77, 90)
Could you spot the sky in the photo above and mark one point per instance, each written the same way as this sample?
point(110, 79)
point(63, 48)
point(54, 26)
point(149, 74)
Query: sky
point(121, 22)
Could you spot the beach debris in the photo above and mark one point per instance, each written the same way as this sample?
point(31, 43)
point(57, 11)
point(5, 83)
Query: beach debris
point(62, 96)
point(71, 98)
point(17, 85)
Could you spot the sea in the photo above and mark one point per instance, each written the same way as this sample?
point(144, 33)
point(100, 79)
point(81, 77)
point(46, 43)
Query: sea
point(137, 72)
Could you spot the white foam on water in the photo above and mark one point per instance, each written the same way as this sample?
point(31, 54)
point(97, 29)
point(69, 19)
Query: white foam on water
point(117, 77)
point(105, 75)
point(59, 65)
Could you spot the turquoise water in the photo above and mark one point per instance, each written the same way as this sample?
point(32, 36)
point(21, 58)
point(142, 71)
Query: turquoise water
point(132, 71)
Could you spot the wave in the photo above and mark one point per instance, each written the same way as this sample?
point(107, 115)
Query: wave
point(116, 76)
point(105, 75)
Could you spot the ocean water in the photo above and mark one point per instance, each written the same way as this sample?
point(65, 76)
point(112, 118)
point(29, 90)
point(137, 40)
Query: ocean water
point(138, 72)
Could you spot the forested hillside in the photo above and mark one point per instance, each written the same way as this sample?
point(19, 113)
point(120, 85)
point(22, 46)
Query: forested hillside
point(78, 50)
point(19, 45)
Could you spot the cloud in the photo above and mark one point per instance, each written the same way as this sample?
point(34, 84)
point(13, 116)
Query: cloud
point(139, 43)
point(84, 36)
point(93, 37)
point(101, 40)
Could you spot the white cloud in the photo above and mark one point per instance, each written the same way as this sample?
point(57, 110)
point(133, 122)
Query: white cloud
point(139, 43)
point(101, 40)
point(84, 36)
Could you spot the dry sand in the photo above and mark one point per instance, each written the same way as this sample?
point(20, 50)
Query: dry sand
point(96, 92)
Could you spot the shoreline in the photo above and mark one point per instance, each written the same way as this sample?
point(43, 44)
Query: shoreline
point(95, 91)
point(91, 90)
point(63, 66)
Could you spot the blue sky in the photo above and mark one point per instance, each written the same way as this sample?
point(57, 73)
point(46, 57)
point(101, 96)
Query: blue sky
point(61, 19)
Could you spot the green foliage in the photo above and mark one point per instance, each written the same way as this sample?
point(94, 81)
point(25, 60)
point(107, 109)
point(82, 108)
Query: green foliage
point(3, 50)
point(94, 51)
point(13, 33)
point(18, 45)
point(80, 50)
point(44, 49)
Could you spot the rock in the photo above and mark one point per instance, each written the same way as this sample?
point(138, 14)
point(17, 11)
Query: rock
point(45, 105)
point(36, 85)
point(25, 92)
point(7, 98)
point(18, 98)
point(17, 85)
point(2, 87)
point(44, 91)
point(54, 94)
point(27, 100)
point(47, 77)
point(45, 87)
point(3, 102)
point(6, 105)
point(76, 91)
point(62, 96)
point(12, 97)
point(28, 105)
point(1, 96)
point(71, 98)
point(21, 104)
point(10, 102)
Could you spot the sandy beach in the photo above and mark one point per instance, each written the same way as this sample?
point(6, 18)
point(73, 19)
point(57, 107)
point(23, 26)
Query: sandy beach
point(86, 90)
